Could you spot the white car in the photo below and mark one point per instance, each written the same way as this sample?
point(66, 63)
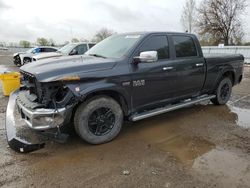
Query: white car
point(70, 49)
point(22, 58)
point(3, 48)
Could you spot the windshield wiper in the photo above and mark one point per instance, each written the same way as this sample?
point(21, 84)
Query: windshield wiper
point(97, 55)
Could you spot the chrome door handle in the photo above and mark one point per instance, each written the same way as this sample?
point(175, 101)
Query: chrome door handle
point(167, 68)
point(199, 64)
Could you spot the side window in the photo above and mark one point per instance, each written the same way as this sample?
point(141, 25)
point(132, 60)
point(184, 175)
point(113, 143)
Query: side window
point(184, 46)
point(91, 45)
point(81, 49)
point(42, 50)
point(50, 50)
point(53, 49)
point(157, 43)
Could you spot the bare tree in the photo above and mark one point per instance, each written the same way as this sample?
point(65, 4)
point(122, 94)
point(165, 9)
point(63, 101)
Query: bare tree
point(52, 42)
point(74, 40)
point(42, 42)
point(84, 40)
point(221, 19)
point(188, 16)
point(102, 34)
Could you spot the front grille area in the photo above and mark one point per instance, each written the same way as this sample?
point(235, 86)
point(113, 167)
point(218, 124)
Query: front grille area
point(42, 93)
point(26, 102)
point(46, 94)
point(29, 81)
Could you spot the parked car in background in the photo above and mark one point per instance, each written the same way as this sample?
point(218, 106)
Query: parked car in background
point(21, 58)
point(70, 49)
point(3, 48)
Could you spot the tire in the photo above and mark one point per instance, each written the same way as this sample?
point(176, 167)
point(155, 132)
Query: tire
point(223, 92)
point(26, 60)
point(98, 120)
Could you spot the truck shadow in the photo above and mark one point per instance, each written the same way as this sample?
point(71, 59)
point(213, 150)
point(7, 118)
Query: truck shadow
point(184, 134)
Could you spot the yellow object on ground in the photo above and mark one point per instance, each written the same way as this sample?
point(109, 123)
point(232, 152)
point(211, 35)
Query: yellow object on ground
point(10, 82)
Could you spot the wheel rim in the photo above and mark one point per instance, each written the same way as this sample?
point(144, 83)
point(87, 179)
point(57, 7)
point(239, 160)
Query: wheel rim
point(26, 61)
point(225, 89)
point(101, 121)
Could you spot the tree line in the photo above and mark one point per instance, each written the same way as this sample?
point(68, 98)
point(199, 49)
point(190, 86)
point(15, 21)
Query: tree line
point(215, 21)
point(99, 36)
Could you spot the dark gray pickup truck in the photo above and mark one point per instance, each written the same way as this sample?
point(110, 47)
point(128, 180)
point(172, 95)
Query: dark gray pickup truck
point(125, 77)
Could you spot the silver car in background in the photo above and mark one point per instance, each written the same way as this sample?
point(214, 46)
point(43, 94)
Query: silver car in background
point(21, 58)
point(78, 48)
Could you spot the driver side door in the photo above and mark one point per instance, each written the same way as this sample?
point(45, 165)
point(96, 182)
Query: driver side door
point(152, 82)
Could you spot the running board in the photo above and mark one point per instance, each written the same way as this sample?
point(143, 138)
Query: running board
point(169, 108)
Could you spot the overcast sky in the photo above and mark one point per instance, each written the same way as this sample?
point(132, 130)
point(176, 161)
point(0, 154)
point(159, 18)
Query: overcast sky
point(62, 20)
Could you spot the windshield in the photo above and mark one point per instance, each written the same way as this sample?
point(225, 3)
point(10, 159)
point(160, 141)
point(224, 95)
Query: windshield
point(114, 47)
point(30, 50)
point(66, 49)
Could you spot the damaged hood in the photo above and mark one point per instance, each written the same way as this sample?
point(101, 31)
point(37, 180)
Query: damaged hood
point(54, 69)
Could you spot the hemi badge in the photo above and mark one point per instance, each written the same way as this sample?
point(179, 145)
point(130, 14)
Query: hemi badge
point(126, 83)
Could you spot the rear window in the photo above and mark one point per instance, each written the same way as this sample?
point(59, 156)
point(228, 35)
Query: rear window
point(184, 46)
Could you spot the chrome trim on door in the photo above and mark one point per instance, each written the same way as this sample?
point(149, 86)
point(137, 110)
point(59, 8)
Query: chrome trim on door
point(167, 68)
point(199, 64)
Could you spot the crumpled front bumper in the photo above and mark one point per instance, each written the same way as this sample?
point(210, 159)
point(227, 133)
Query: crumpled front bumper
point(19, 136)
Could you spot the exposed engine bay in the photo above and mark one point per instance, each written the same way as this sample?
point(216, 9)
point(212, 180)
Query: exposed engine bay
point(46, 95)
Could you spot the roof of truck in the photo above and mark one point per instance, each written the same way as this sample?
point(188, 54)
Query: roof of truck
point(155, 32)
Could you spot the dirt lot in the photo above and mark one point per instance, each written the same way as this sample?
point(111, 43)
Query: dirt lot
point(200, 146)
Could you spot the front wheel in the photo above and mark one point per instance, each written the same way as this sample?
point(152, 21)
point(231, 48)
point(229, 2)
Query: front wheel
point(26, 60)
point(223, 92)
point(98, 120)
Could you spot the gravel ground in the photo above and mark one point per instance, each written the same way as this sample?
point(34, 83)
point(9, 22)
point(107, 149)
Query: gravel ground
point(200, 146)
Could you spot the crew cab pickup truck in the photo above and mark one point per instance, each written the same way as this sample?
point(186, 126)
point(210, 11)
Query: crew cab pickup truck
point(125, 77)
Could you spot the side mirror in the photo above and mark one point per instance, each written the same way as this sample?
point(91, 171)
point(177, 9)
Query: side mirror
point(147, 57)
point(73, 52)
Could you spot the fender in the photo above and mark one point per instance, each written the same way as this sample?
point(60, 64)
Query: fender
point(23, 56)
point(222, 70)
point(81, 91)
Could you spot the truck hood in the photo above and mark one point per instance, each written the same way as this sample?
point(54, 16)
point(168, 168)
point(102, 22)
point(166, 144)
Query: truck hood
point(47, 55)
point(54, 69)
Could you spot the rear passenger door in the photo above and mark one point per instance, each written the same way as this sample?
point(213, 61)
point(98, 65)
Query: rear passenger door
point(189, 66)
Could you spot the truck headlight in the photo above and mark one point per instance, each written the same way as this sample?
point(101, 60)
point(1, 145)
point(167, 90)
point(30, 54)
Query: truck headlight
point(52, 121)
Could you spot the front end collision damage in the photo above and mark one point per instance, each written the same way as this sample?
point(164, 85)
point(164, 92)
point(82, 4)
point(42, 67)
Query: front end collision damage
point(20, 138)
point(27, 129)
point(42, 118)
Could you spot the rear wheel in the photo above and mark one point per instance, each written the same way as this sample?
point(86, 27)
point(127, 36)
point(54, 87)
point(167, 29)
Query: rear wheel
point(223, 92)
point(98, 120)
